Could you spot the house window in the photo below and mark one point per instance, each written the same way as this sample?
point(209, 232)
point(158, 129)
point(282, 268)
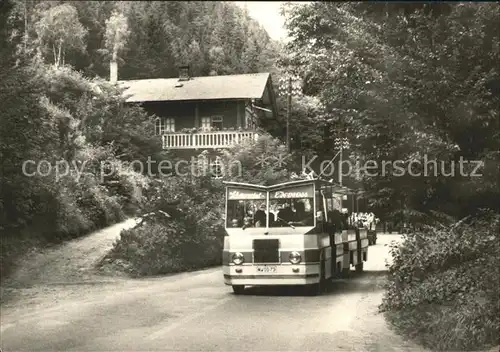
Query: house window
point(206, 123)
point(163, 125)
point(211, 122)
point(170, 124)
point(158, 126)
point(217, 122)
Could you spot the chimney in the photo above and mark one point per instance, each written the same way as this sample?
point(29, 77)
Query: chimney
point(184, 73)
point(113, 72)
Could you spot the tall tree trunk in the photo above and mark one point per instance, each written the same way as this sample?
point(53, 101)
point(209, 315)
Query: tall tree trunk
point(59, 54)
point(25, 26)
point(54, 53)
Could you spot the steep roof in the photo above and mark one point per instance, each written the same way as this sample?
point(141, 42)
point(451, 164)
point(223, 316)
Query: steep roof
point(244, 86)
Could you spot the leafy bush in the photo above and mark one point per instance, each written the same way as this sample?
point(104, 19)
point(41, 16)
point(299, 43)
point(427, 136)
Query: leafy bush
point(443, 285)
point(149, 250)
point(191, 238)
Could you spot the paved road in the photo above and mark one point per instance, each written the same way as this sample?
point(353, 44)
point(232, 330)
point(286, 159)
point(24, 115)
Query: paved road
point(196, 312)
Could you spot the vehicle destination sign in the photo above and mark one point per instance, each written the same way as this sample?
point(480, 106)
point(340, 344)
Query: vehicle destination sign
point(295, 192)
point(245, 194)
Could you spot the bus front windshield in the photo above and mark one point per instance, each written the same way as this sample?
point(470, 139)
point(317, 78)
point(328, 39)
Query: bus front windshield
point(244, 207)
point(246, 213)
point(288, 206)
point(292, 211)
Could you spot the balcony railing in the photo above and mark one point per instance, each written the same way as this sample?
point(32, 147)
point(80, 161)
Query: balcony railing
point(223, 139)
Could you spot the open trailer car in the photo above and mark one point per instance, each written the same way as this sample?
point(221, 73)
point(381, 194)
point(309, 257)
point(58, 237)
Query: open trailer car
point(285, 234)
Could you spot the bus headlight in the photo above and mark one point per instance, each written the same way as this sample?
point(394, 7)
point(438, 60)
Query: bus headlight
point(295, 258)
point(238, 258)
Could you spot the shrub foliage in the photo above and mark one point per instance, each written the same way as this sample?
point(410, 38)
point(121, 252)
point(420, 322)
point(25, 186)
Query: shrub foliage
point(444, 285)
point(189, 237)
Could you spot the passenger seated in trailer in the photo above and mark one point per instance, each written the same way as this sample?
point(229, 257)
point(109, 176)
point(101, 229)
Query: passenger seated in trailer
point(335, 218)
point(346, 224)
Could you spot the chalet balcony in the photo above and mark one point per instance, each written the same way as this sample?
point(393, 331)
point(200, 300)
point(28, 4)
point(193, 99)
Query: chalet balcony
point(201, 140)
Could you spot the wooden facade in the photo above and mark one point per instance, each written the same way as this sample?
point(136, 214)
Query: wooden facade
point(205, 112)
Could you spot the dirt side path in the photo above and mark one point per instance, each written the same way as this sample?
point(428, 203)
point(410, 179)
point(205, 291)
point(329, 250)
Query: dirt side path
point(71, 263)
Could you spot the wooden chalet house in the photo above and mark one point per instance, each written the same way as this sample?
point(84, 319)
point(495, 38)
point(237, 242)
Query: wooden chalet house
point(203, 113)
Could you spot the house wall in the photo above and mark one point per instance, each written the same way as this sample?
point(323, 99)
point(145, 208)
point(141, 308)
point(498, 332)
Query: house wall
point(252, 116)
point(184, 113)
point(228, 109)
point(187, 116)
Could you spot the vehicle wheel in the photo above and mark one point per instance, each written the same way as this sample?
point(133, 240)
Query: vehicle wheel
point(323, 281)
point(359, 267)
point(346, 273)
point(238, 289)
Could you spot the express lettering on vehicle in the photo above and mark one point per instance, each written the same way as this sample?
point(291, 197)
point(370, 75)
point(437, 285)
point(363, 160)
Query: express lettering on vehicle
point(281, 194)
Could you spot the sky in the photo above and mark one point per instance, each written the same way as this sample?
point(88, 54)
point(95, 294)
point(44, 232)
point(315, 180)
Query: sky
point(267, 13)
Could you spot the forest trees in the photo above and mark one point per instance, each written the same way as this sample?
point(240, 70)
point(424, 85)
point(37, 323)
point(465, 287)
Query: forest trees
point(214, 37)
point(59, 30)
point(59, 108)
point(409, 81)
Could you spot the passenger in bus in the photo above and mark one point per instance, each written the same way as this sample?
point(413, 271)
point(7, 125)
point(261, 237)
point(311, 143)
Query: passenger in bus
point(285, 214)
point(261, 216)
point(247, 221)
point(302, 217)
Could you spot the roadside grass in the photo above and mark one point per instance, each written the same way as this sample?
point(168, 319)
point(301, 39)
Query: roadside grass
point(27, 241)
point(443, 286)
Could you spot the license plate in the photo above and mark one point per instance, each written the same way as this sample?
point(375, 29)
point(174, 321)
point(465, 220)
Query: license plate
point(267, 269)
